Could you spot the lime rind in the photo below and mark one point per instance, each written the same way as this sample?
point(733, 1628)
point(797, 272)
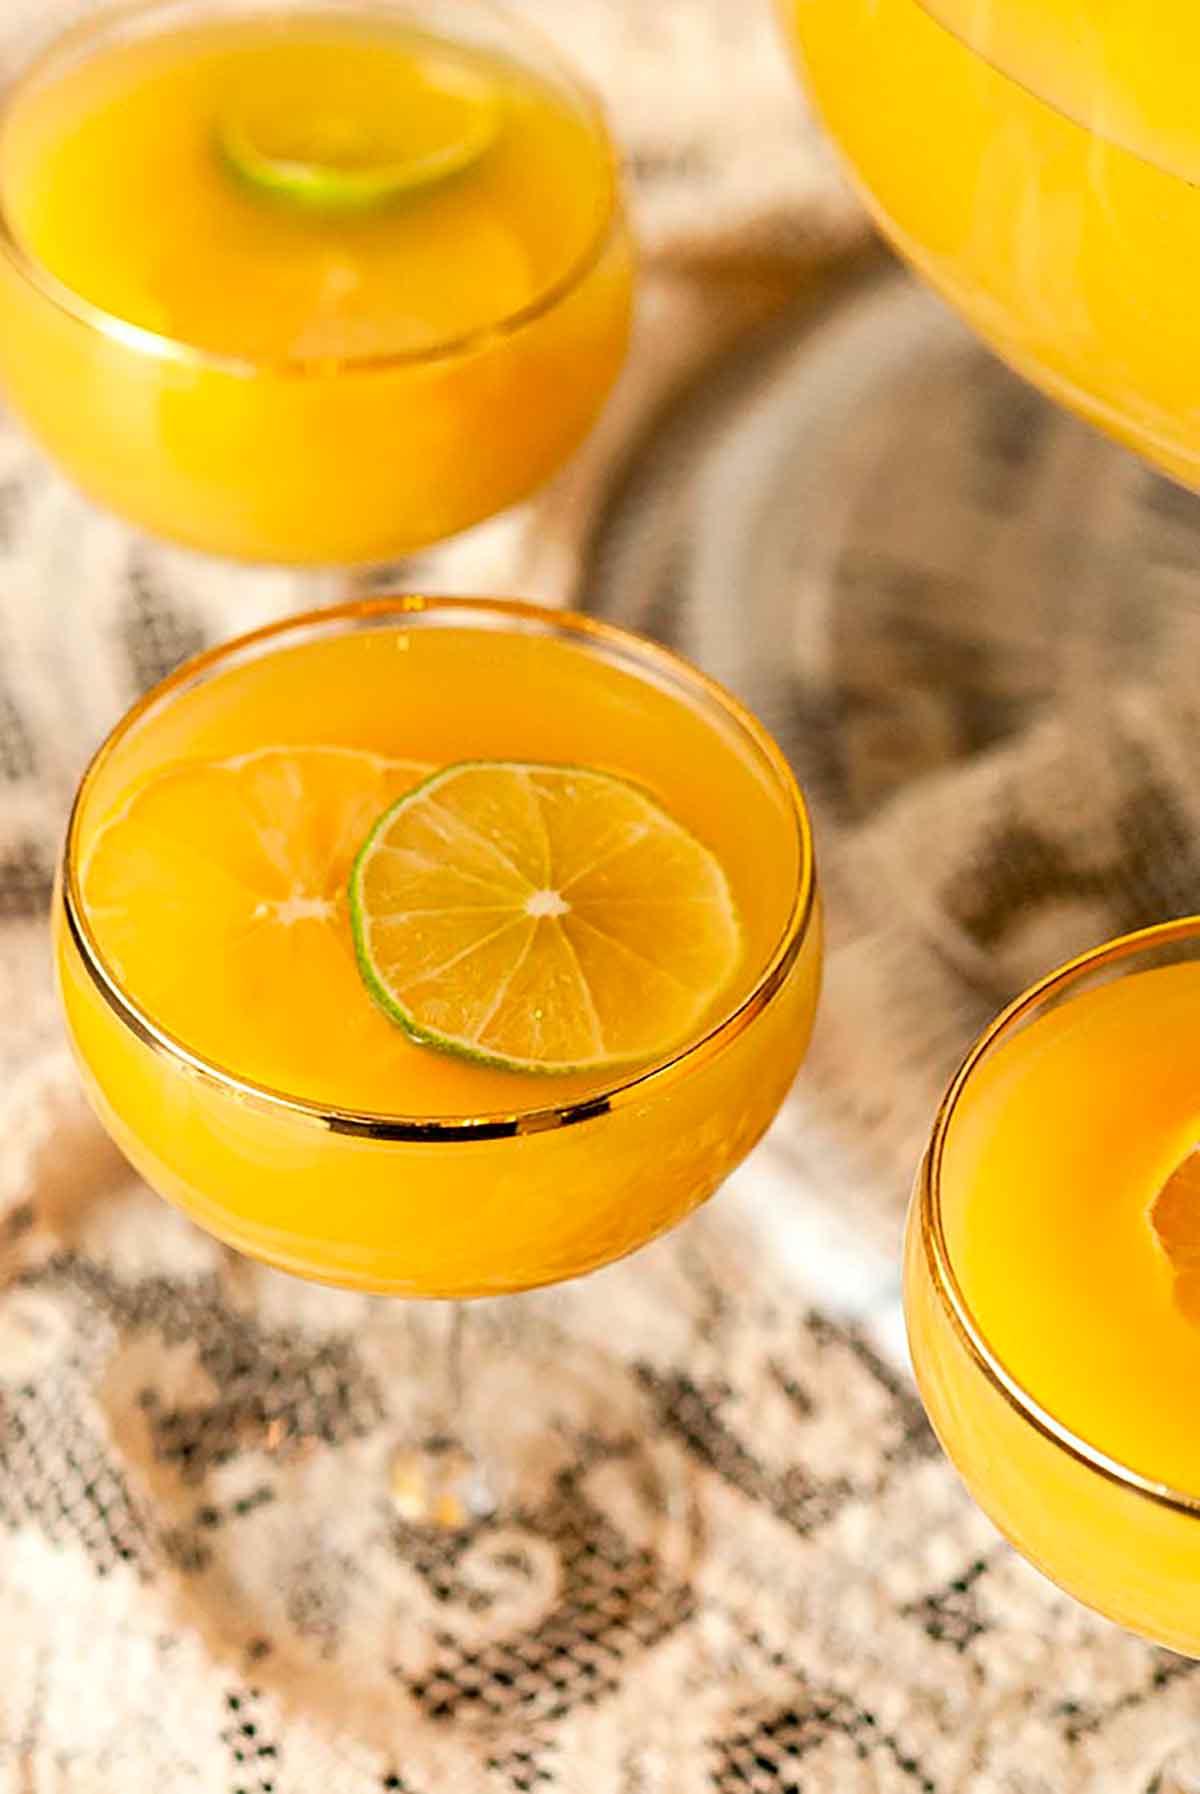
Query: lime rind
point(459, 1046)
point(327, 186)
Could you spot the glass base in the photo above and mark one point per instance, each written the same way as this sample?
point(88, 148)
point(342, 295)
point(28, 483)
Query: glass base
point(441, 1484)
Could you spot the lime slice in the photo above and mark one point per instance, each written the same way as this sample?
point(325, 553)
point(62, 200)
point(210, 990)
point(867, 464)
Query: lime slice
point(541, 918)
point(347, 137)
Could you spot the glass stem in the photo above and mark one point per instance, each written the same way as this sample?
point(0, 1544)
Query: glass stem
point(437, 1479)
point(449, 1417)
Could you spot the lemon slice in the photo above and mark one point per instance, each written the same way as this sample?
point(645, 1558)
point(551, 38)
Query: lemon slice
point(217, 896)
point(347, 134)
point(541, 918)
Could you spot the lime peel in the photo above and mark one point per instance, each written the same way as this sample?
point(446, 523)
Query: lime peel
point(346, 174)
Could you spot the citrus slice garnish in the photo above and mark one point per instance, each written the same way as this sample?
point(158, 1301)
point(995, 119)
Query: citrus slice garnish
point(541, 918)
point(216, 894)
point(1175, 1218)
point(345, 136)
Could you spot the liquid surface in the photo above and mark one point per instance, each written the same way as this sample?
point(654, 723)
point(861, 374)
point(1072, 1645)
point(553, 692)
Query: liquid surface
point(1053, 1161)
point(114, 179)
point(302, 1021)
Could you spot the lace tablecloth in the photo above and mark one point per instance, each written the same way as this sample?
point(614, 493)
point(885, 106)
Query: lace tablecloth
point(201, 1586)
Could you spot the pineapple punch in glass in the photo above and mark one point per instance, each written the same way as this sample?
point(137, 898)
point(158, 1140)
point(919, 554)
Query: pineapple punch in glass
point(1037, 162)
point(308, 282)
point(438, 948)
point(1052, 1283)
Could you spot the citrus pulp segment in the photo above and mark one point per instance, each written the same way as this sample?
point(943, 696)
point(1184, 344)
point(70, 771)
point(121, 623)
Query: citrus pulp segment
point(218, 890)
point(1175, 1218)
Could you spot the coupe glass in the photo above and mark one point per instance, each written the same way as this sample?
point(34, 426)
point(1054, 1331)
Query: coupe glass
point(441, 1205)
point(1119, 1539)
point(317, 457)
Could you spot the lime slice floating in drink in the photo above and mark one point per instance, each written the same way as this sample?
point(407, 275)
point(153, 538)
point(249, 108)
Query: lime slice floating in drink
point(351, 131)
point(541, 918)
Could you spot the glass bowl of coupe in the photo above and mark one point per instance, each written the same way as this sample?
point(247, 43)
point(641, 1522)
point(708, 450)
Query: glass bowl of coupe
point(1036, 161)
point(440, 949)
point(308, 284)
point(1053, 1282)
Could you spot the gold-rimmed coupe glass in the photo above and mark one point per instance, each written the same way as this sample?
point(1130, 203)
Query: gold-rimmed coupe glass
point(317, 455)
point(451, 1205)
point(1036, 162)
point(1122, 1542)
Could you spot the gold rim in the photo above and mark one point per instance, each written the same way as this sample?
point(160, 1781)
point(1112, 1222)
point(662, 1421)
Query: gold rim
point(933, 1237)
point(622, 645)
point(610, 225)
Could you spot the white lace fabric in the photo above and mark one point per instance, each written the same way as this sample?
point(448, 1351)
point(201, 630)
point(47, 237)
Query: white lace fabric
point(201, 1584)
